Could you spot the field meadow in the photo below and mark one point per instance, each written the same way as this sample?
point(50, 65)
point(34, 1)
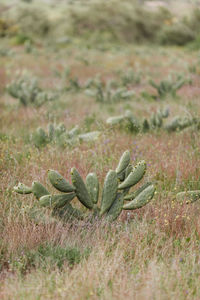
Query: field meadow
point(148, 253)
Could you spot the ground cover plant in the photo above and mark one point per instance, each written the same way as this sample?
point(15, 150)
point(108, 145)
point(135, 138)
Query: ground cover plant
point(72, 49)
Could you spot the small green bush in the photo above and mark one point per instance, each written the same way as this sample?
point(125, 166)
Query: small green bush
point(122, 21)
point(176, 34)
point(47, 255)
point(32, 21)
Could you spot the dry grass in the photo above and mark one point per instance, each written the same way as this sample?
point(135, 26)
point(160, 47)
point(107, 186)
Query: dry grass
point(152, 253)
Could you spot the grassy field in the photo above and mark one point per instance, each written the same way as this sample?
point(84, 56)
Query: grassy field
point(149, 253)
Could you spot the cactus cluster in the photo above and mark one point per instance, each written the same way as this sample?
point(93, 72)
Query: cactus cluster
point(104, 92)
point(130, 77)
point(179, 123)
point(156, 121)
point(169, 86)
point(28, 92)
point(59, 135)
point(108, 93)
point(130, 122)
point(115, 191)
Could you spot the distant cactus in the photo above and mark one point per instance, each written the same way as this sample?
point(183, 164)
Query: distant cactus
point(115, 191)
point(133, 124)
point(179, 123)
point(156, 121)
point(108, 92)
point(169, 86)
point(27, 90)
point(59, 135)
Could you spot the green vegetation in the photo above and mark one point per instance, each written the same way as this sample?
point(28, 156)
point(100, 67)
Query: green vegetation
point(28, 92)
point(123, 178)
point(81, 82)
point(57, 134)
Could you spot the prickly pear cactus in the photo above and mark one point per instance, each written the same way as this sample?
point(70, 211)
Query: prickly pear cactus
point(58, 135)
point(130, 122)
point(115, 192)
point(188, 196)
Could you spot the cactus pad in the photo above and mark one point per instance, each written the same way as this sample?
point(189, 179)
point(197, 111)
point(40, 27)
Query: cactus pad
point(188, 196)
point(92, 185)
point(39, 190)
point(142, 199)
point(109, 191)
point(59, 182)
point(56, 201)
point(124, 162)
point(116, 207)
point(22, 189)
point(136, 193)
point(81, 189)
point(135, 176)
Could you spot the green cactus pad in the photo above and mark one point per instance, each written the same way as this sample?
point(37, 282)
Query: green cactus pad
point(39, 190)
point(129, 169)
point(56, 201)
point(81, 189)
point(123, 162)
point(73, 132)
point(116, 207)
point(135, 176)
point(59, 182)
point(188, 196)
point(136, 193)
point(165, 112)
point(89, 136)
point(142, 199)
point(22, 189)
point(92, 185)
point(174, 124)
point(115, 120)
point(109, 191)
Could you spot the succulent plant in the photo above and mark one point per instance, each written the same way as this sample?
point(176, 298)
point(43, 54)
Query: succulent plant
point(27, 90)
point(115, 191)
point(155, 122)
point(109, 92)
point(179, 123)
point(59, 135)
point(130, 122)
point(169, 86)
point(188, 196)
